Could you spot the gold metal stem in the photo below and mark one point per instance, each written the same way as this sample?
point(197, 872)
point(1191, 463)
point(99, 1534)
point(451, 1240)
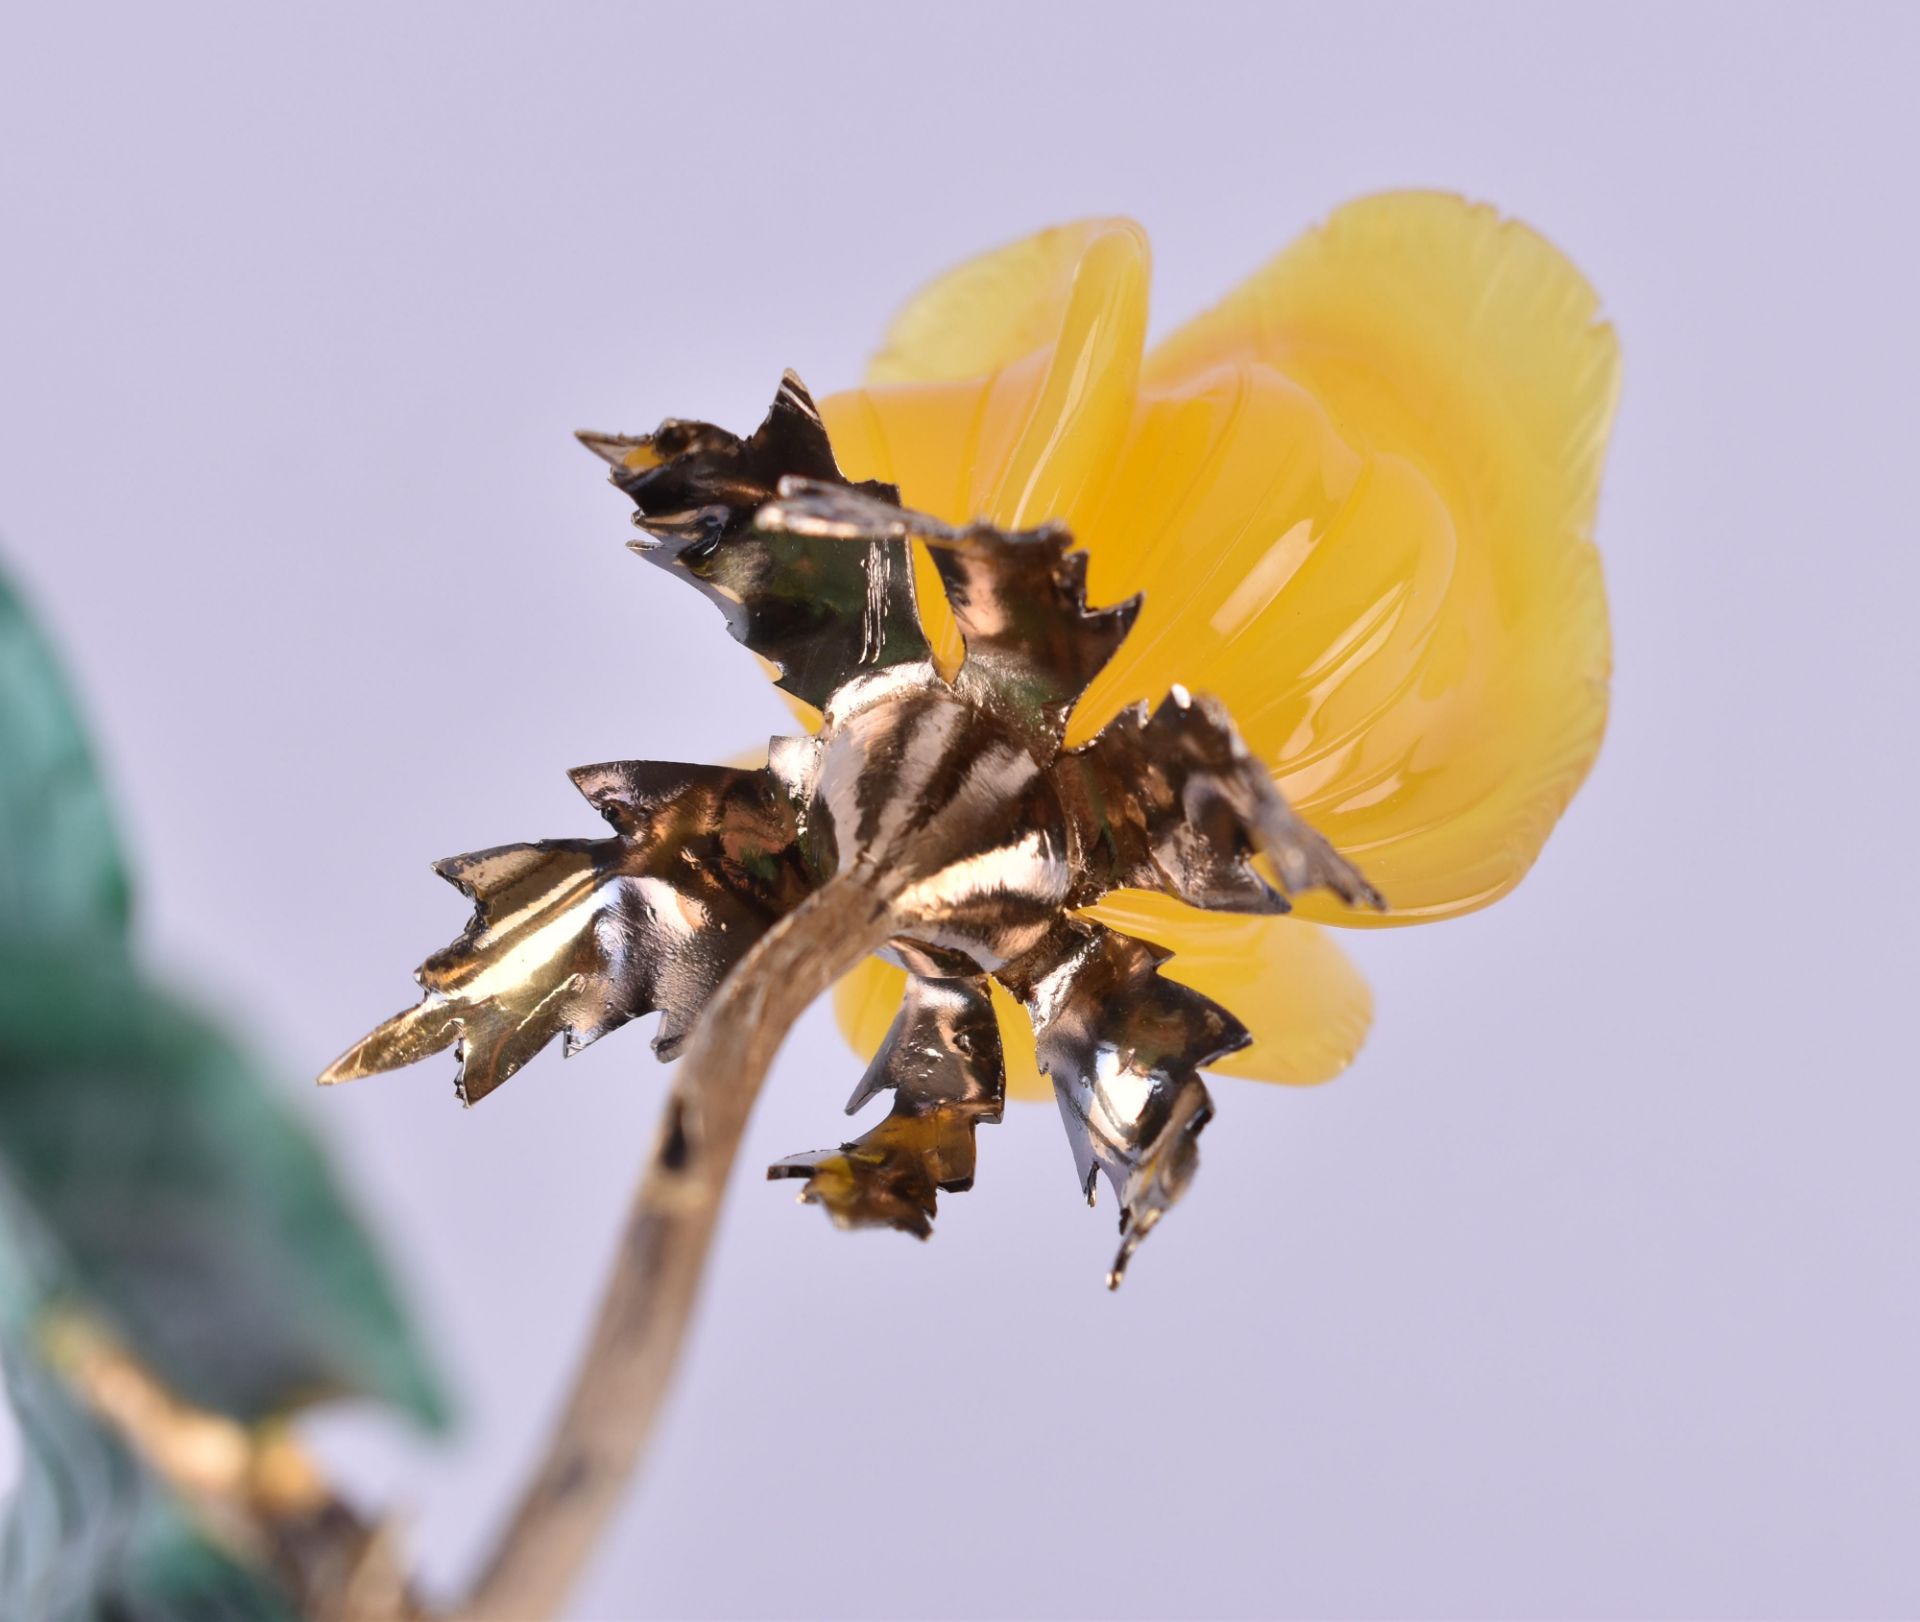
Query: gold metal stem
point(649, 1301)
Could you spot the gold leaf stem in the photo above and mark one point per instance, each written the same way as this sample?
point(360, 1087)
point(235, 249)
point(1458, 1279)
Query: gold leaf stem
point(649, 1301)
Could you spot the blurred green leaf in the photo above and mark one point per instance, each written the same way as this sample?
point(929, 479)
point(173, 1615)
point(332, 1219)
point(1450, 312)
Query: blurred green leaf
point(61, 874)
point(152, 1174)
point(89, 1535)
point(192, 1204)
point(173, 1574)
point(194, 1207)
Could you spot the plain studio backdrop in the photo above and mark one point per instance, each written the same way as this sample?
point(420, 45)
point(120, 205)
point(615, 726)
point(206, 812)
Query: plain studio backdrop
point(1589, 1289)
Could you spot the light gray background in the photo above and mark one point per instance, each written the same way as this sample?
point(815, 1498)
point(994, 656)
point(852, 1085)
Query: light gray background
point(1590, 1290)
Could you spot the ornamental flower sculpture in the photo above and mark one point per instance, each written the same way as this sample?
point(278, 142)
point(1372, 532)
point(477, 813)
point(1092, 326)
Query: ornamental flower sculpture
point(1122, 672)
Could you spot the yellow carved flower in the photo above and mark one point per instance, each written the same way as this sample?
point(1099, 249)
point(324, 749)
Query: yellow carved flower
point(1358, 496)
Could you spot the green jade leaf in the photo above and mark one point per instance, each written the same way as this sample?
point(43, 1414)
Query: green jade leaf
point(88, 1534)
point(196, 1209)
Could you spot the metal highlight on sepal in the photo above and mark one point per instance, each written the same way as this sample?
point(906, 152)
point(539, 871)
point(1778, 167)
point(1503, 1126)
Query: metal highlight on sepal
point(1169, 799)
point(1020, 600)
point(574, 937)
point(1123, 1047)
point(941, 1059)
point(819, 611)
point(951, 799)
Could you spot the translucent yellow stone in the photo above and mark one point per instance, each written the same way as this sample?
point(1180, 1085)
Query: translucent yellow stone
point(1357, 495)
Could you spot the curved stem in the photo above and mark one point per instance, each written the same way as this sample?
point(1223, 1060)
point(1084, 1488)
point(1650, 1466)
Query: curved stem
point(649, 1301)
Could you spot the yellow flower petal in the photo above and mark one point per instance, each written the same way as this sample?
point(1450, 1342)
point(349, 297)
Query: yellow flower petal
point(1286, 980)
point(1421, 649)
point(1357, 496)
point(1000, 306)
point(1005, 389)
